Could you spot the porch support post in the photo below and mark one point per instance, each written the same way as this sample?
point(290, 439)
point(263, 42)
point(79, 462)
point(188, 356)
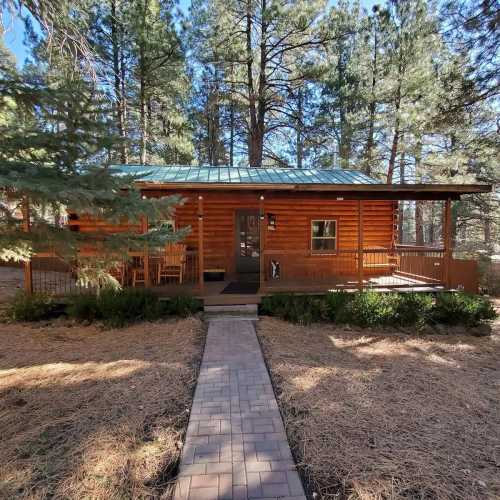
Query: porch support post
point(262, 239)
point(201, 250)
point(360, 244)
point(147, 276)
point(28, 267)
point(447, 240)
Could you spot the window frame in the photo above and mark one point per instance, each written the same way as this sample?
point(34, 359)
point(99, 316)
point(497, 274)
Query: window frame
point(334, 250)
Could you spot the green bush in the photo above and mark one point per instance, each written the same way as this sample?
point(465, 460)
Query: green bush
point(84, 308)
point(301, 309)
point(34, 307)
point(368, 309)
point(455, 308)
point(117, 308)
point(412, 309)
point(182, 306)
point(335, 303)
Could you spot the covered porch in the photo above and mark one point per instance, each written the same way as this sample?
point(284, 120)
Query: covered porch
point(210, 271)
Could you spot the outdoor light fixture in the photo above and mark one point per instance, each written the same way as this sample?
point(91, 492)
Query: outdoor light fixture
point(261, 197)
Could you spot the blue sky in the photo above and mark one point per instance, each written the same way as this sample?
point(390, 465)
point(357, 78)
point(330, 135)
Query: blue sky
point(14, 35)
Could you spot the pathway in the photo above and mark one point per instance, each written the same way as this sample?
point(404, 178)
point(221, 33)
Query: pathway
point(236, 445)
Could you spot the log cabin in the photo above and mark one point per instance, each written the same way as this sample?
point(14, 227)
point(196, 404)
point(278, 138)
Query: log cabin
point(261, 230)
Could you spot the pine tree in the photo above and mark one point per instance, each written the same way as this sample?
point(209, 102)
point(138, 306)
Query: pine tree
point(55, 139)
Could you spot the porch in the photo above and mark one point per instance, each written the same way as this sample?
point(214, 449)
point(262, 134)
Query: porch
point(280, 242)
point(406, 269)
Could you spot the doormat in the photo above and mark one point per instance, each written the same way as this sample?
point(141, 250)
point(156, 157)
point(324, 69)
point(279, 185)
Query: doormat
point(243, 288)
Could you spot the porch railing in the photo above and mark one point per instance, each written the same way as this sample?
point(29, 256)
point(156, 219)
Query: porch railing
point(53, 275)
point(381, 267)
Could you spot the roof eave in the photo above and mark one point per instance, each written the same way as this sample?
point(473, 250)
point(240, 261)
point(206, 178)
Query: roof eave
point(392, 191)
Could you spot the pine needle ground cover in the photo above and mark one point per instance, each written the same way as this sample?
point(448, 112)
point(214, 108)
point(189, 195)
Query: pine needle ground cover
point(372, 415)
point(92, 413)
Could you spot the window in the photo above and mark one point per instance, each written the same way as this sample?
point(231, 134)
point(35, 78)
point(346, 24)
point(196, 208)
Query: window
point(323, 236)
point(167, 224)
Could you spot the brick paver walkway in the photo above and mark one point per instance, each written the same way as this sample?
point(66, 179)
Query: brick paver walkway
point(236, 445)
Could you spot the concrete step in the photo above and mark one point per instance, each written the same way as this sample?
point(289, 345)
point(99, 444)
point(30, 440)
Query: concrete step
point(230, 317)
point(230, 299)
point(234, 308)
point(247, 312)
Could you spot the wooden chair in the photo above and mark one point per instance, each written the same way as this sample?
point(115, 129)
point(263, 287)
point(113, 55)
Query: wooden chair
point(172, 262)
point(118, 272)
point(138, 271)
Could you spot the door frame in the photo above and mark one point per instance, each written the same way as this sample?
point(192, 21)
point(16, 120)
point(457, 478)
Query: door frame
point(236, 248)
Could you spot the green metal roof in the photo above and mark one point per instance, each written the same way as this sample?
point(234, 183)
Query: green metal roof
point(172, 174)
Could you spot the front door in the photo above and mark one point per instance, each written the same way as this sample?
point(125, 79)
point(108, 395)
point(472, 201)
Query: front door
point(247, 241)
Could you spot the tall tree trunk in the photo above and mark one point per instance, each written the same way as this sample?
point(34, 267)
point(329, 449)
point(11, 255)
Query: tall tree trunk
point(257, 103)
point(143, 120)
point(124, 107)
point(395, 137)
point(432, 224)
point(401, 211)
point(345, 126)
point(252, 108)
point(116, 49)
point(299, 125)
point(419, 204)
point(231, 120)
point(371, 111)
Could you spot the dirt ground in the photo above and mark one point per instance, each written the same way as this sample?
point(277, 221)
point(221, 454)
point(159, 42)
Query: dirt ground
point(91, 413)
point(375, 415)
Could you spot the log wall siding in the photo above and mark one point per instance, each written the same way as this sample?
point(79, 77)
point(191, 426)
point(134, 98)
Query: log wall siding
point(293, 212)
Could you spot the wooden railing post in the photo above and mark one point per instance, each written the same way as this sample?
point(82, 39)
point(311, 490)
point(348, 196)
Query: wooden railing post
point(28, 267)
point(201, 256)
point(262, 238)
point(360, 244)
point(448, 246)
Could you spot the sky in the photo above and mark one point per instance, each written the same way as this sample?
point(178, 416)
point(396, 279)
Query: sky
point(14, 34)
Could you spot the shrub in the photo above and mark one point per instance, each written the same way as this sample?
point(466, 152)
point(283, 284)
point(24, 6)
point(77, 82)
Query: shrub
point(117, 308)
point(34, 307)
point(301, 309)
point(412, 309)
point(335, 303)
point(456, 308)
point(84, 308)
point(368, 309)
point(183, 306)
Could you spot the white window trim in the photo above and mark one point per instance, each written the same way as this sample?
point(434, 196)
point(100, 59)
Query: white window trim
point(334, 238)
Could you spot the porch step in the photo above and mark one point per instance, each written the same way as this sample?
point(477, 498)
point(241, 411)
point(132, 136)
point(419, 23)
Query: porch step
point(236, 308)
point(230, 300)
point(231, 312)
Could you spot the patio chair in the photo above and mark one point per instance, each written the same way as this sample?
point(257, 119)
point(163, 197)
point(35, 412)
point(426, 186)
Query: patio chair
point(138, 272)
point(172, 262)
point(119, 273)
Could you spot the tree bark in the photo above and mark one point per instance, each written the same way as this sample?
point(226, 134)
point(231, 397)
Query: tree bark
point(345, 126)
point(401, 212)
point(257, 102)
point(419, 204)
point(300, 118)
point(371, 110)
point(143, 120)
point(231, 121)
point(118, 83)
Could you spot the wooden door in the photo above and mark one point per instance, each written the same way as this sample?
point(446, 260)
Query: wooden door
point(247, 241)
